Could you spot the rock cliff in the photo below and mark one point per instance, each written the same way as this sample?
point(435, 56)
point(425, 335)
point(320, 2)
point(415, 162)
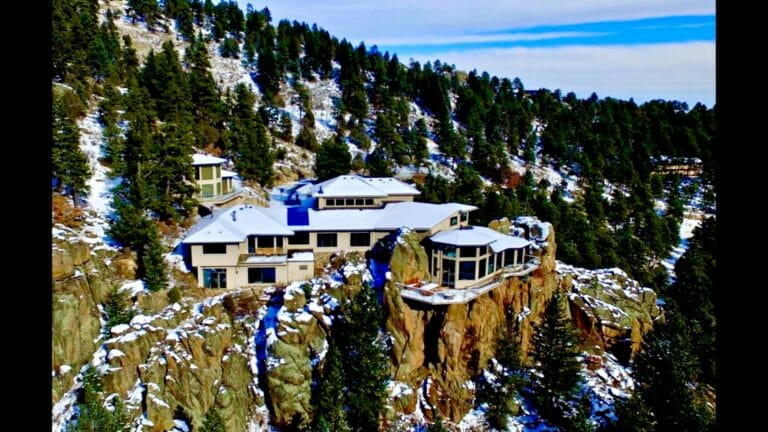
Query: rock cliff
point(449, 345)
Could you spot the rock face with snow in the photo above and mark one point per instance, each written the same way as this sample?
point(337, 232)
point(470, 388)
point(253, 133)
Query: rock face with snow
point(611, 310)
point(80, 283)
point(184, 360)
point(450, 344)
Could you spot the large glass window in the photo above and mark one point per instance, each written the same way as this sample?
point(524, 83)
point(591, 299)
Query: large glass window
point(261, 275)
point(218, 188)
point(491, 266)
point(264, 242)
point(207, 190)
point(360, 239)
point(449, 273)
point(215, 248)
point(468, 251)
point(466, 270)
point(215, 278)
point(359, 201)
point(454, 220)
point(369, 201)
point(300, 238)
point(206, 172)
point(350, 201)
point(464, 216)
point(481, 268)
point(326, 240)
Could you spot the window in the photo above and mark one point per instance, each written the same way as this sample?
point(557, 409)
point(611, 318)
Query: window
point(467, 251)
point(197, 173)
point(303, 267)
point(207, 190)
point(251, 244)
point(261, 275)
point(467, 270)
point(449, 273)
point(215, 248)
point(215, 278)
point(264, 242)
point(206, 172)
point(218, 188)
point(490, 265)
point(350, 201)
point(300, 238)
point(499, 264)
point(326, 240)
point(359, 202)
point(449, 251)
point(509, 255)
point(360, 239)
point(369, 201)
point(330, 202)
point(464, 216)
point(454, 220)
point(218, 171)
point(482, 268)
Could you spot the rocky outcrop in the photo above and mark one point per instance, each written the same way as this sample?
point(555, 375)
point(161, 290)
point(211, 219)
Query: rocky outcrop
point(451, 344)
point(187, 359)
point(611, 310)
point(300, 338)
point(80, 283)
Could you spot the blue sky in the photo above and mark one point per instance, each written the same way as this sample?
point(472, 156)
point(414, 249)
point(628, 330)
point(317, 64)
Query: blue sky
point(645, 49)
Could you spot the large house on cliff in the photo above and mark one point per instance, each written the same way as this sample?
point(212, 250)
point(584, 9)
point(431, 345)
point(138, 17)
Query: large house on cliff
point(247, 245)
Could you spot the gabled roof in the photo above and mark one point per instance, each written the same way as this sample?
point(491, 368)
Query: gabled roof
point(203, 159)
point(357, 186)
point(480, 236)
point(222, 227)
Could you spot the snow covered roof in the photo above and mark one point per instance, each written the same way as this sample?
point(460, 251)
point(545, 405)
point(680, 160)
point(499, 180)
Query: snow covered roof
point(262, 259)
point(346, 186)
point(392, 186)
point(233, 225)
point(480, 236)
point(415, 215)
point(357, 186)
point(302, 256)
point(228, 173)
point(203, 159)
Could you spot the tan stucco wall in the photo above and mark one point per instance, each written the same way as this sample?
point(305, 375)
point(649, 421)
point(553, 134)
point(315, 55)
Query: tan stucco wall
point(445, 224)
point(296, 273)
point(199, 259)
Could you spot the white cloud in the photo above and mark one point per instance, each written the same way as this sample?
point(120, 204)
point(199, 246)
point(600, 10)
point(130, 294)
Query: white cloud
point(480, 38)
point(680, 71)
point(369, 20)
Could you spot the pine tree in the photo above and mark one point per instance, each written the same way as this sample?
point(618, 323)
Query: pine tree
point(171, 173)
point(92, 415)
point(69, 164)
point(117, 309)
point(152, 267)
point(248, 138)
point(213, 422)
point(665, 370)
point(328, 394)
point(555, 384)
point(366, 365)
point(509, 379)
point(332, 159)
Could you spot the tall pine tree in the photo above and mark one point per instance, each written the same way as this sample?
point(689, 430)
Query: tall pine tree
point(555, 383)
